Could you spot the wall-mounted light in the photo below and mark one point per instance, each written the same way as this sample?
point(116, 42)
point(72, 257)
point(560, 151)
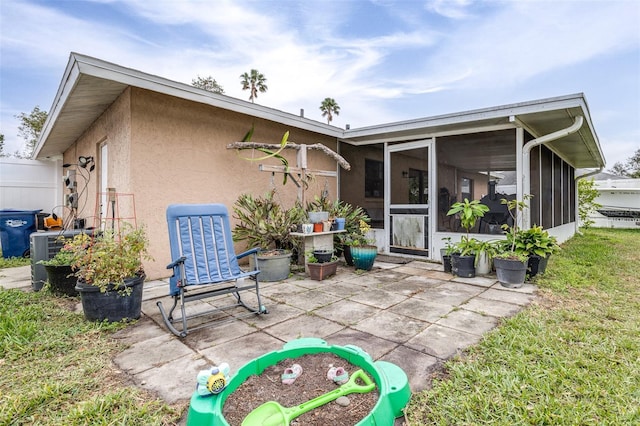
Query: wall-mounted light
point(83, 162)
point(86, 161)
point(405, 174)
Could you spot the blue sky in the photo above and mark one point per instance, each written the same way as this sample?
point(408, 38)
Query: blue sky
point(381, 60)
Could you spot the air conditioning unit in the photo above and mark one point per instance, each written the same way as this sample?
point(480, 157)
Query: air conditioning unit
point(45, 245)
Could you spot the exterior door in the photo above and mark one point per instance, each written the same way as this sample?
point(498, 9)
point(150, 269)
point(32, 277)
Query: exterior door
point(408, 192)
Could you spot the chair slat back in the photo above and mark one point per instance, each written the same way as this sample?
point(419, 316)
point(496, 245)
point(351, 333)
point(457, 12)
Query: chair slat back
point(202, 234)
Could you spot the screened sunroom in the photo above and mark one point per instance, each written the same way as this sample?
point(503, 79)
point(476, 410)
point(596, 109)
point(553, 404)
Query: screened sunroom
point(407, 175)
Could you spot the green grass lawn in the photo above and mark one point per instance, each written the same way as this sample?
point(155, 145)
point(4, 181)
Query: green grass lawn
point(57, 370)
point(572, 358)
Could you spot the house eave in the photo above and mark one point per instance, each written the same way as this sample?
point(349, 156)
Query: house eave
point(90, 85)
point(539, 117)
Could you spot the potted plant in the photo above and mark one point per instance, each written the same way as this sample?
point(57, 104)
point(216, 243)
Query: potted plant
point(264, 223)
point(60, 274)
point(485, 251)
point(363, 249)
point(446, 253)
point(352, 216)
point(511, 263)
point(321, 270)
point(110, 272)
point(537, 244)
point(463, 262)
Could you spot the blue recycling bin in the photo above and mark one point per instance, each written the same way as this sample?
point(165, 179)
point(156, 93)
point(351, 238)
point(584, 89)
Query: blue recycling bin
point(15, 228)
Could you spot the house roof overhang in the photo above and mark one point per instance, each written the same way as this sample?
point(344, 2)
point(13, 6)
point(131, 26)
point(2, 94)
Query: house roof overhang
point(541, 117)
point(90, 85)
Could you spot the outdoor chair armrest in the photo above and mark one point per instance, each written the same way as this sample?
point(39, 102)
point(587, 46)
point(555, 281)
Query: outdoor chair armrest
point(247, 253)
point(176, 263)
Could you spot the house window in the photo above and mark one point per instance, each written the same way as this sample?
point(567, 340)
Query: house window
point(373, 179)
point(466, 188)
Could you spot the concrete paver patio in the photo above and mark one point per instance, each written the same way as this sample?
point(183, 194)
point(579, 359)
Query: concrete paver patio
point(413, 315)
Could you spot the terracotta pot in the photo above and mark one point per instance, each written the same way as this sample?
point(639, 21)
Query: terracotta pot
point(320, 271)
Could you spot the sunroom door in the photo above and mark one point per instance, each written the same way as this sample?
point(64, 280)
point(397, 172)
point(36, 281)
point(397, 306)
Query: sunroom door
point(407, 218)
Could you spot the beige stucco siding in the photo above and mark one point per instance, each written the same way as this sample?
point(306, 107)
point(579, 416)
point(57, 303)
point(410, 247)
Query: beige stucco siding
point(179, 155)
point(113, 127)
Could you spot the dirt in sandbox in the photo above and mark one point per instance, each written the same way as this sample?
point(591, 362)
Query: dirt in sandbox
point(313, 382)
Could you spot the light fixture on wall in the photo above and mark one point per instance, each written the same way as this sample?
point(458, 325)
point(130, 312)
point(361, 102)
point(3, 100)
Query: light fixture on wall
point(86, 161)
point(83, 162)
point(405, 174)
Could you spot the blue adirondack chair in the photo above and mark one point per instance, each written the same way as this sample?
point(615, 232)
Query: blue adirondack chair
point(204, 264)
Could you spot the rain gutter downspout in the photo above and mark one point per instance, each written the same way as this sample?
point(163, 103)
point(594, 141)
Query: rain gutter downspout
point(526, 159)
point(576, 179)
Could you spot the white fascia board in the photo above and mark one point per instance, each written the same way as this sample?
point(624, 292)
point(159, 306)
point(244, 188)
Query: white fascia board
point(505, 111)
point(67, 84)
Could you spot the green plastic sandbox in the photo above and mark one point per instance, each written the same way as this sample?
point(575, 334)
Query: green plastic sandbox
point(391, 381)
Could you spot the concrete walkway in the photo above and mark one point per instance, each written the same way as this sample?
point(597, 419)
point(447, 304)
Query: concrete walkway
point(409, 314)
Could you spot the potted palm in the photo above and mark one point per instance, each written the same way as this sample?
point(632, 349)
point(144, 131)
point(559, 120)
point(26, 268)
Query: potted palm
point(463, 262)
point(110, 272)
point(60, 274)
point(264, 223)
point(511, 262)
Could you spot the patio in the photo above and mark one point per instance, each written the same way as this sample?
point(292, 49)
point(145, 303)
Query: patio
point(412, 314)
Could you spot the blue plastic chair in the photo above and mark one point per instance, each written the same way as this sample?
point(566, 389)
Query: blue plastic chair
point(202, 254)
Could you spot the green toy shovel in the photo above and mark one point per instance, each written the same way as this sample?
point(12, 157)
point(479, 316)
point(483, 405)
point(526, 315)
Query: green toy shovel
point(271, 413)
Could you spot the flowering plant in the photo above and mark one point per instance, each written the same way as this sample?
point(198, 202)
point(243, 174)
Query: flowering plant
point(360, 237)
point(105, 260)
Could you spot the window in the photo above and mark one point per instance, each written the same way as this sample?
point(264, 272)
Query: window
point(466, 188)
point(373, 179)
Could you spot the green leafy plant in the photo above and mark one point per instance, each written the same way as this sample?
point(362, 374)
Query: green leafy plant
point(491, 248)
point(264, 223)
point(469, 212)
point(359, 237)
point(105, 260)
point(587, 194)
point(509, 250)
point(449, 247)
point(534, 241)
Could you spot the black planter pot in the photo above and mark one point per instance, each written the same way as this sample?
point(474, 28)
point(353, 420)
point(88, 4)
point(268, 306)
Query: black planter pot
point(542, 266)
point(347, 255)
point(533, 265)
point(510, 273)
point(323, 256)
point(446, 262)
point(463, 266)
point(111, 305)
point(61, 280)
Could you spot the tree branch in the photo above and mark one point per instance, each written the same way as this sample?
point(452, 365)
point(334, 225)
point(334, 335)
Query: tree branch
point(318, 146)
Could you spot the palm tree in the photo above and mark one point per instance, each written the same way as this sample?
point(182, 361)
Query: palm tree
point(329, 107)
point(255, 82)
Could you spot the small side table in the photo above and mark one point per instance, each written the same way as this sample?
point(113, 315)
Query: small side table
point(315, 241)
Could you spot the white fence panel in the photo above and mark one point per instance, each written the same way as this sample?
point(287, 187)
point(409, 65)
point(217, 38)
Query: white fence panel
point(31, 185)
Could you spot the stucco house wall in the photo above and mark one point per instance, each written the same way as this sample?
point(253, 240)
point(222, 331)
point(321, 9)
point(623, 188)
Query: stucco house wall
point(168, 150)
